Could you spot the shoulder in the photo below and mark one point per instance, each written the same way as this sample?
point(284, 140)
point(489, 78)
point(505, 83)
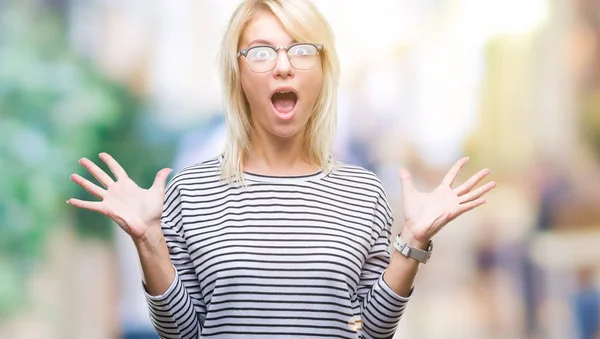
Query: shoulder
point(357, 177)
point(198, 175)
point(365, 183)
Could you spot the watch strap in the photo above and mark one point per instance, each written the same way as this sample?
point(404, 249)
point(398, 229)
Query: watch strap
point(413, 252)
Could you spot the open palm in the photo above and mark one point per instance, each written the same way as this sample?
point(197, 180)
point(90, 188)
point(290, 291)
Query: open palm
point(426, 213)
point(133, 208)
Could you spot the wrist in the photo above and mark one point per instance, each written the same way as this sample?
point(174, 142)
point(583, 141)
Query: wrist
point(414, 251)
point(413, 241)
point(151, 240)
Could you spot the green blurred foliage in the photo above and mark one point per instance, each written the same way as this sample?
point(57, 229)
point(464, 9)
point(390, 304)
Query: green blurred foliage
point(55, 108)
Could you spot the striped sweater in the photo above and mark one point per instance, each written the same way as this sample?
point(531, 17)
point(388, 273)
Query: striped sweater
point(282, 257)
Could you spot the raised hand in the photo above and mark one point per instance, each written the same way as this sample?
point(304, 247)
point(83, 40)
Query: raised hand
point(426, 213)
point(133, 208)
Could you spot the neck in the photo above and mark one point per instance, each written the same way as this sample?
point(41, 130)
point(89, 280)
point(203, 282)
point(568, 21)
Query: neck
point(270, 155)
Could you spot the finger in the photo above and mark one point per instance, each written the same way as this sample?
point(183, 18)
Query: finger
point(160, 181)
point(95, 206)
point(453, 172)
point(88, 186)
point(472, 182)
point(114, 166)
point(470, 205)
point(477, 193)
point(407, 183)
point(97, 172)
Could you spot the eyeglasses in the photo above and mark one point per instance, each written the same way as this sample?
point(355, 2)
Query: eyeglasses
point(263, 58)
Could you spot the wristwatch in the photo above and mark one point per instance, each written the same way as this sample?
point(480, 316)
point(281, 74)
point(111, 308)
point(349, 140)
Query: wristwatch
point(413, 252)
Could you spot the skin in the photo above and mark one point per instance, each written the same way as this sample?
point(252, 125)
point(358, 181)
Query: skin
point(276, 149)
point(276, 144)
point(426, 213)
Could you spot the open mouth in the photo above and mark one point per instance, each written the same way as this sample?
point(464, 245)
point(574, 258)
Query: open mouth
point(284, 101)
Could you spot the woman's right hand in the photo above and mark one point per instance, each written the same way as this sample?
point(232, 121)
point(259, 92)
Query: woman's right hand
point(134, 209)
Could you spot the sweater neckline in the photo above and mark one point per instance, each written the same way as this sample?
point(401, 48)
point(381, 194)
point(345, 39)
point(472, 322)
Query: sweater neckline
point(283, 179)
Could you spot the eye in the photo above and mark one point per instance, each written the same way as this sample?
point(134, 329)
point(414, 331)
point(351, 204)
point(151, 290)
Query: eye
point(261, 53)
point(303, 50)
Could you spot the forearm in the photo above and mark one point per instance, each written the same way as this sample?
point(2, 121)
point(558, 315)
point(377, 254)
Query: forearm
point(172, 310)
point(402, 271)
point(385, 304)
point(157, 268)
point(382, 306)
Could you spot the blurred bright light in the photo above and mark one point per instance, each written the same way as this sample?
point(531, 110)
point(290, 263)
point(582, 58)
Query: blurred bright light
point(365, 34)
point(500, 17)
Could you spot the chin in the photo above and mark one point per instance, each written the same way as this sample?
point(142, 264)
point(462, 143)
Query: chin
point(285, 132)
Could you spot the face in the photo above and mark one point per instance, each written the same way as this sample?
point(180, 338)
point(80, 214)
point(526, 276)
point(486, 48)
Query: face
point(280, 99)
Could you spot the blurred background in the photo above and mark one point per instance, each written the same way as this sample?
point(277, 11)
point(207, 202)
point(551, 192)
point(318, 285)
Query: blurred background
point(513, 84)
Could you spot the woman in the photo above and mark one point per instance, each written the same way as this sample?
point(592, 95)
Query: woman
point(274, 238)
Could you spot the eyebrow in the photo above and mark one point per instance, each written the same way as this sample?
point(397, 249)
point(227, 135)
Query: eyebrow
point(265, 42)
point(260, 41)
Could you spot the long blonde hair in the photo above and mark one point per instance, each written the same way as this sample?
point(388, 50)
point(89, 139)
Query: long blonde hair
point(303, 22)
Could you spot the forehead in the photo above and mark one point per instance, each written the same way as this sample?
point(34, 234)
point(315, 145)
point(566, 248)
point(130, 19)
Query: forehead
point(265, 27)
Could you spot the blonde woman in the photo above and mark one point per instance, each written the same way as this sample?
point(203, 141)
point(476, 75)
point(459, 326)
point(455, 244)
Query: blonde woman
point(274, 238)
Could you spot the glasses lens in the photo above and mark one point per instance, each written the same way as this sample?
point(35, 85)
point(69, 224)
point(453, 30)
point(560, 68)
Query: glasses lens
point(303, 56)
point(261, 59)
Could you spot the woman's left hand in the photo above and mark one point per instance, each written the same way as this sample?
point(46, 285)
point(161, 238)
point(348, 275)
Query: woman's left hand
point(426, 213)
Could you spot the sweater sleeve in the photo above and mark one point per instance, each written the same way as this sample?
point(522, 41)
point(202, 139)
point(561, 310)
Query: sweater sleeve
point(381, 307)
point(180, 311)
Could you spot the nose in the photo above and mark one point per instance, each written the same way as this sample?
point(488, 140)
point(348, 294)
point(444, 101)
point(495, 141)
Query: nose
point(283, 67)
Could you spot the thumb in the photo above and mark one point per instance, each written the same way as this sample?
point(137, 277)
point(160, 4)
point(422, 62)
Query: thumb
point(407, 183)
point(160, 181)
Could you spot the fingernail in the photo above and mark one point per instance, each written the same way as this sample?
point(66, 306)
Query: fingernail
point(68, 202)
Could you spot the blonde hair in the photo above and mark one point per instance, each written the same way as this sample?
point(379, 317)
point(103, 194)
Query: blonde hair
point(303, 22)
